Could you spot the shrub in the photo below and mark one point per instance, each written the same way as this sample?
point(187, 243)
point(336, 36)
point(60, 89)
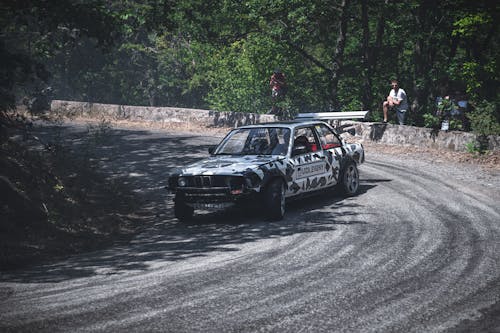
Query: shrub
point(431, 120)
point(484, 119)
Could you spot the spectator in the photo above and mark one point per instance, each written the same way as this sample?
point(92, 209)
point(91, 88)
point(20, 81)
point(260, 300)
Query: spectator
point(278, 90)
point(396, 101)
point(278, 84)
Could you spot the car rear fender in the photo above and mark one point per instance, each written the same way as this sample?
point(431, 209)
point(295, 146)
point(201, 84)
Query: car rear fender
point(357, 152)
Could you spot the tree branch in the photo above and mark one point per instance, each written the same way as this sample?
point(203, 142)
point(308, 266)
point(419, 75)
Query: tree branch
point(308, 56)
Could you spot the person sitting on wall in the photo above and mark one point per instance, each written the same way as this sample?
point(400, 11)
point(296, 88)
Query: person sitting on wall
point(398, 101)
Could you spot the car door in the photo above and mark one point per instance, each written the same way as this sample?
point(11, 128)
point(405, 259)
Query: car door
point(333, 150)
point(310, 168)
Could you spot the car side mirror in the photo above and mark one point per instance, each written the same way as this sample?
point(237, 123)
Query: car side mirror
point(211, 149)
point(299, 149)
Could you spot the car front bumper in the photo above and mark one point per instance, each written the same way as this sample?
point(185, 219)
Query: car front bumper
point(216, 197)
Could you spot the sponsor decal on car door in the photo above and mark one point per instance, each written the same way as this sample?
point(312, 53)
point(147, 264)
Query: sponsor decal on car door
point(333, 150)
point(310, 167)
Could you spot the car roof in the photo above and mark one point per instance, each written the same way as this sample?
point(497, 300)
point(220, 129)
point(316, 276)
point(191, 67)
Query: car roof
point(285, 124)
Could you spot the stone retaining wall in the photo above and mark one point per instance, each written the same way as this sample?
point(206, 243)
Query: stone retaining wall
point(159, 115)
point(378, 132)
point(421, 137)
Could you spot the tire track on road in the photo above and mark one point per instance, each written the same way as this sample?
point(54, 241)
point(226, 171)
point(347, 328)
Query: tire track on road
point(416, 250)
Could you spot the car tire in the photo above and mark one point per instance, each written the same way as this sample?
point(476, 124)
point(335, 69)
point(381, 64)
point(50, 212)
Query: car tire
point(349, 179)
point(274, 199)
point(182, 211)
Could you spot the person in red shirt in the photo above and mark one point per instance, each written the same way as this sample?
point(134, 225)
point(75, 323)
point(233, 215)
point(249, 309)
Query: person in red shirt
point(278, 88)
point(278, 84)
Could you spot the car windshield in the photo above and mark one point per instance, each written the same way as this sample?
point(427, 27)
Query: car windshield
point(255, 141)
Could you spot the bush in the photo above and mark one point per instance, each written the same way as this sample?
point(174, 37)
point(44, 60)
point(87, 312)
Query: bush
point(431, 120)
point(484, 119)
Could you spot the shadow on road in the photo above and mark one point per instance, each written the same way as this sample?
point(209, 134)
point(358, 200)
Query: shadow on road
point(142, 160)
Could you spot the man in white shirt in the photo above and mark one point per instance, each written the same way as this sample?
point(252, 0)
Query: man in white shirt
point(397, 101)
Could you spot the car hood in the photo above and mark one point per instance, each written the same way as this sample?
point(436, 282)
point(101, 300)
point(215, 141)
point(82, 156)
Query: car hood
point(228, 165)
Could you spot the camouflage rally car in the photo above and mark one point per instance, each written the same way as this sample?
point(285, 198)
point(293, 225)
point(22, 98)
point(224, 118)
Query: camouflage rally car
point(269, 164)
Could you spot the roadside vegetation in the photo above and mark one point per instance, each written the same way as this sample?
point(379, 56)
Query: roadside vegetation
point(54, 200)
point(220, 54)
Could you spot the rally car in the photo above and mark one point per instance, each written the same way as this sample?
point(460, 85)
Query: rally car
point(268, 164)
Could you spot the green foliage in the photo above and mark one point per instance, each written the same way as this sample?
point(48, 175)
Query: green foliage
point(445, 107)
point(220, 54)
point(237, 78)
point(485, 119)
point(35, 31)
point(474, 147)
point(431, 120)
point(456, 124)
point(469, 75)
point(479, 146)
point(471, 24)
point(443, 113)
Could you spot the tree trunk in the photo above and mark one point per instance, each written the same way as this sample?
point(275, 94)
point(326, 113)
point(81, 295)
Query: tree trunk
point(380, 35)
point(370, 54)
point(422, 60)
point(366, 58)
point(338, 55)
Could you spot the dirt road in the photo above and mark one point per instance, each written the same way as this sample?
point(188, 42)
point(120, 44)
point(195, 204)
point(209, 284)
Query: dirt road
point(416, 251)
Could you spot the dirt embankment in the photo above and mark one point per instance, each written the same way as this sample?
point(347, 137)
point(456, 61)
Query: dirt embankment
point(54, 201)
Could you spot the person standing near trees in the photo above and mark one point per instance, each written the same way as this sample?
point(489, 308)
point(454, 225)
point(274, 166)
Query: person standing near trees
point(398, 101)
point(278, 84)
point(278, 87)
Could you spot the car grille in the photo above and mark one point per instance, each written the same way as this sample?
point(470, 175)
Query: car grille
point(210, 189)
point(214, 181)
point(205, 181)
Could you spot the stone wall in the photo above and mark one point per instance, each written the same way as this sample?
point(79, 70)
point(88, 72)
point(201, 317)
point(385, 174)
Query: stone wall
point(378, 132)
point(421, 137)
point(158, 115)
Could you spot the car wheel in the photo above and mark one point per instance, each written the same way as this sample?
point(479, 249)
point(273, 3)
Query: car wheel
point(349, 181)
point(274, 199)
point(182, 211)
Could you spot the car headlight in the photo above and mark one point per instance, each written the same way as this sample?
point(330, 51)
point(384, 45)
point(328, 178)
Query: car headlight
point(182, 182)
point(252, 180)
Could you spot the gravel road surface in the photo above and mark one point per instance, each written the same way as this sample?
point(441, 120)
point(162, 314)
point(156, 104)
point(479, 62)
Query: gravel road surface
point(417, 250)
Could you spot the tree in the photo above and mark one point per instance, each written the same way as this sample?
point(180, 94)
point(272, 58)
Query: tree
point(33, 30)
point(370, 51)
point(220, 54)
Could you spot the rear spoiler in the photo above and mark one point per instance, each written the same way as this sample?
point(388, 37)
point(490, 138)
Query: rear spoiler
point(332, 115)
point(334, 118)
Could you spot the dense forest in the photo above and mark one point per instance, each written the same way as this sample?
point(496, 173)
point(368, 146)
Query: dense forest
point(337, 55)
